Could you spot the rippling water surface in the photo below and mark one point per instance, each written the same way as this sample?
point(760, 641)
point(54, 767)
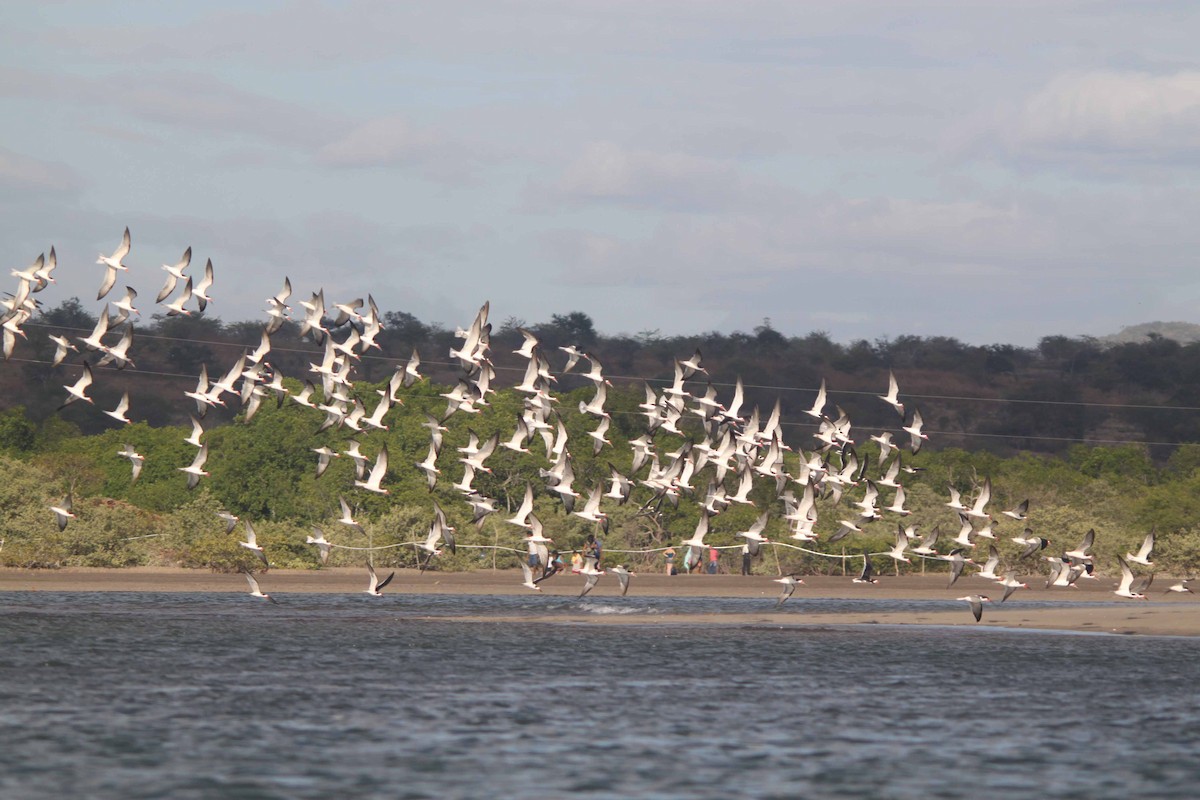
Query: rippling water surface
point(203, 696)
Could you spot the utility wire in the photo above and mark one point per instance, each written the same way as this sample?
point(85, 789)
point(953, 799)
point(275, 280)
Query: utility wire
point(724, 384)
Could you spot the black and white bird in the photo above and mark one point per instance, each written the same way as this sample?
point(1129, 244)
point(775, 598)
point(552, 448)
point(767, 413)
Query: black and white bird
point(62, 512)
point(112, 264)
point(230, 520)
point(323, 545)
point(174, 275)
point(529, 582)
point(790, 582)
point(957, 562)
point(1142, 556)
point(375, 586)
point(892, 398)
point(252, 544)
point(623, 575)
point(868, 572)
point(378, 470)
point(976, 602)
point(135, 459)
point(195, 470)
point(78, 390)
point(1126, 588)
point(590, 576)
point(255, 591)
point(1018, 513)
point(913, 429)
point(119, 412)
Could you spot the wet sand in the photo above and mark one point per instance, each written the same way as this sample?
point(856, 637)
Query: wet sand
point(1166, 613)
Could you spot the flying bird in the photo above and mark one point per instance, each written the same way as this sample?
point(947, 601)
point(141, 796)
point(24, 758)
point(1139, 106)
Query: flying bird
point(195, 470)
point(252, 545)
point(62, 347)
point(118, 413)
point(135, 459)
point(868, 573)
point(1019, 512)
point(590, 576)
point(372, 483)
point(174, 275)
point(347, 517)
point(892, 397)
point(255, 591)
point(1010, 585)
point(1142, 556)
point(790, 582)
point(1124, 589)
point(323, 545)
point(529, 582)
point(230, 520)
point(976, 602)
point(112, 264)
point(375, 586)
point(200, 289)
point(78, 390)
point(623, 575)
point(62, 512)
point(914, 431)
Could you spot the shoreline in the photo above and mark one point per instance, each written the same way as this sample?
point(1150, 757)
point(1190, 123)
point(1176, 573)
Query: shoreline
point(1090, 609)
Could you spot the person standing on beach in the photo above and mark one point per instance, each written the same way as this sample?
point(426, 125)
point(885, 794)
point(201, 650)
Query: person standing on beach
point(746, 558)
point(714, 564)
point(669, 554)
point(554, 566)
point(534, 558)
point(591, 552)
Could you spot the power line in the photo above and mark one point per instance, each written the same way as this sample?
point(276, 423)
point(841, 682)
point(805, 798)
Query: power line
point(959, 434)
point(723, 384)
point(785, 423)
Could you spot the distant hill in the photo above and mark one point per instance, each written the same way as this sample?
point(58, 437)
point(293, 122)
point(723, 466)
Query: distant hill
point(1182, 332)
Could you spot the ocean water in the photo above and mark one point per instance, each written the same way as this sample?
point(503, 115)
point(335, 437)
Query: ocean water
point(323, 696)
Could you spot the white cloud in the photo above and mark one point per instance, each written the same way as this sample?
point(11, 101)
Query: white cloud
point(178, 99)
point(606, 172)
point(390, 140)
point(1121, 111)
point(20, 173)
point(393, 141)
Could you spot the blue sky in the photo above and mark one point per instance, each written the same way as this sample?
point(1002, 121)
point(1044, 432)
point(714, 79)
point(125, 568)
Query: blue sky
point(992, 171)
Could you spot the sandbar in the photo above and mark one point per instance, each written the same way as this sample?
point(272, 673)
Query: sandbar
point(1090, 608)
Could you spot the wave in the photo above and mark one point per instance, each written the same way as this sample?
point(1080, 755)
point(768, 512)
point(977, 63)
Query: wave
point(598, 608)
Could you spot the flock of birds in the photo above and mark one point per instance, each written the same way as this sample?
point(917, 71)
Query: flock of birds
point(735, 452)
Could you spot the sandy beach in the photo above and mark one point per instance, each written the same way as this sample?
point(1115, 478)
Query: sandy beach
point(1166, 613)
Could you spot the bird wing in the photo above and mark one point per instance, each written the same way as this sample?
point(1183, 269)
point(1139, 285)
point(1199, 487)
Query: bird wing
point(201, 457)
point(123, 249)
point(1126, 576)
point(380, 468)
point(253, 583)
point(623, 579)
point(1147, 546)
point(110, 278)
point(956, 568)
point(1089, 539)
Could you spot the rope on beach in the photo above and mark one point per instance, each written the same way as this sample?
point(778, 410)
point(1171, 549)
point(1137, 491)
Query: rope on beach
point(418, 544)
point(837, 556)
